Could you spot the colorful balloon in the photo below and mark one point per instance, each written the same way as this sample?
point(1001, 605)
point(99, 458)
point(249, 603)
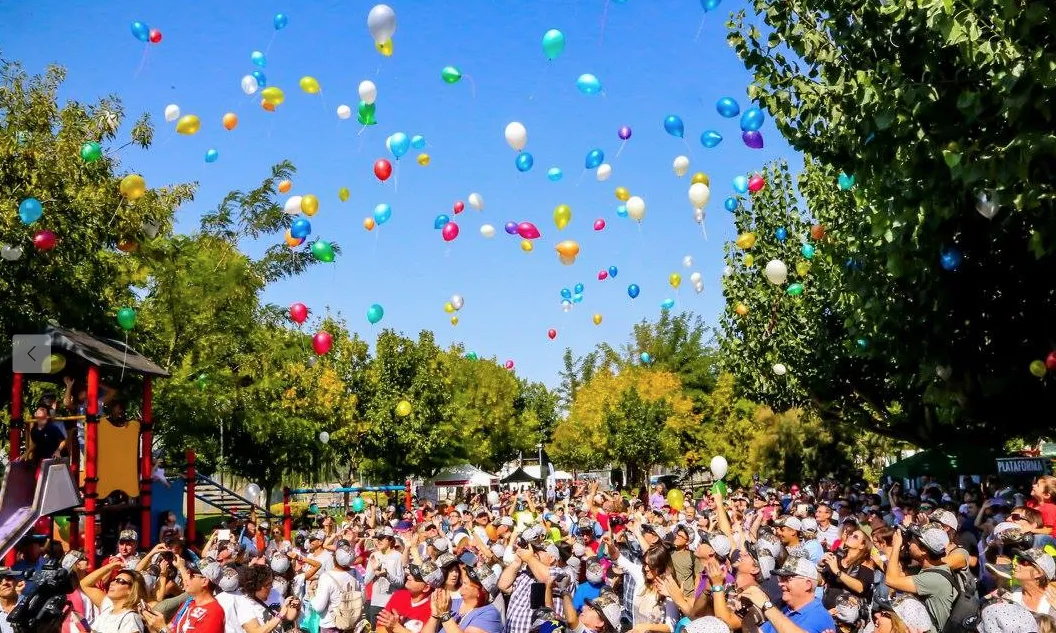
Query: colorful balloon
point(709, 5)
point(633, 290)
point(262, 80)
point(603, 275)
point(450, 231)
point(528, 231)
point(133, 186)
point(126, 318)
point(553, 44)
point(621, 210)
point(613, 271)
point(604, 172)
point(450, 75)
point(230, 121)
point(752, 139)
point(368, 224)
point(624, 132)
point(382, 169)
point(172, 112)
point(309, 205)
point(188, 124)
point(728, 107)
point(569, 248)
point(551, 334)
point(440, 221)
point(516, 135)
point(588, 84)
point(667, 304)
point(381, 23)
point(298, 313)
point(674, 280)
point(91, 152)
point(554, 174)
point(710, 138)
point(322, 342)
point(526, 246)
point(211, 156)
point(636, 208)
point(375, 313)
point(562, 216)
point(599, 224)
point(382, 213)
point(323, 251)
point(140, 31)
point(399, 144)
point(154, 36)
point(781, 234)
point(740, 184)
point(366, 113)
point(368, 92)
point(752, 119)
point(343, 193)
point(524, 162)
point(45, 240)
point(258, 59)
point(756, 183)
point(476, 201)
point(846, 181)
point(681, 166)
point(459, 207)
point(403, 409)
point(280, 21)
point(273, 95)
point(950, 259)
point(596, 319)
point(674, 126)
point(487, 231)
point(418, 141)
point(807, 251)
point(731, 204)
point(511, 228)
point(30, 210)
point(310, 85)
point(301, 228)
point(595, 157)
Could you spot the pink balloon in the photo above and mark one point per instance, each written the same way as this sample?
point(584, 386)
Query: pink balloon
point(527, 230)
point(298, 313)
point(624, 133)
point(603, 275)
point(321, 342)
point(756, 183)
point(509, 363)
point(599, 224)
point(450, 231)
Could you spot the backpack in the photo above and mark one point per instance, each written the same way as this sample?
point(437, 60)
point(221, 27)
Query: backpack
point(349, 607)
point(964, 612)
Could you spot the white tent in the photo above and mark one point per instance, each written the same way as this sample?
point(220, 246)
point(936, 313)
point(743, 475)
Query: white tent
point(466, 475)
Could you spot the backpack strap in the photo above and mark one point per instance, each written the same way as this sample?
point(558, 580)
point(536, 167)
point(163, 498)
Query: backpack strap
point(956, 593)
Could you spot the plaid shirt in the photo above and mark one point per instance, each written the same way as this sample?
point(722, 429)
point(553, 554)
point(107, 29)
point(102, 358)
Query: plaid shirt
point(519, 609)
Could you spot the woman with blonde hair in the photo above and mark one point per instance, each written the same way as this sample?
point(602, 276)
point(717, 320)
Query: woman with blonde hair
point(120, 604)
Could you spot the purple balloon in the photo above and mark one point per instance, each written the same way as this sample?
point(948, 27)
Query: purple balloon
point(753, 139)
point(624, 133)
point(511, 228)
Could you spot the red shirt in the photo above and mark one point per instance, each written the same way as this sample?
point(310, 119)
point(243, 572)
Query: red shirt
point(413, 614)
point(1048, 514)
point(207, 618)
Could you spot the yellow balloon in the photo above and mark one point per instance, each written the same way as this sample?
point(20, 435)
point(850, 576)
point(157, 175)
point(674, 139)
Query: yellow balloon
point(273, 95)
point(449, 307)
point(423, 159)
point(342, 194)
point(403, 409)
point(454, 320)
point(567, 261)
point(675, 280)
point(385, 48)
point(745, 240)
point(568, 248)
point(188, 124)
point(310, 85)
point(700, 177)
point(802, 268)
point(675, 499)
point(597, 319)
point(749, 260)
point(310, 205)
point(133, 186)
point(562, 216)
point(622, 194)
point(526, 246)
point(741, 309)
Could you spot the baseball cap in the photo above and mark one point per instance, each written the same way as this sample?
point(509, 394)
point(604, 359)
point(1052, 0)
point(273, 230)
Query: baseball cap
point(945, 517)
point(212, 571)
point(445, 560)
point(128, 535)
point(607, 604)
point(7, 572)
point(483, 575)
point(707, 624)
point(317, 535)
point(439, 543)
point(386, 532)
point(428, 573)
point(721, 544)
point(798, 566)
point(1040, 559)
point(658, 532)
point(932, 536)
point(809, 524)
point(790, 522)
point(507, 521)
point(1006, 617)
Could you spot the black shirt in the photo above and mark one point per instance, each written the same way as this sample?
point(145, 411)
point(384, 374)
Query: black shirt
point(834, 587)
point(46, 440)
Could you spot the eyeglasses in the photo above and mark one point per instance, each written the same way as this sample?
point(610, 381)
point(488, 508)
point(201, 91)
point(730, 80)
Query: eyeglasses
point(122, 581)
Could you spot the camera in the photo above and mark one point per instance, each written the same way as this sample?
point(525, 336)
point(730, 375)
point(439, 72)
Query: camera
point(617, 520)
point(43, 607)
point(747, 611)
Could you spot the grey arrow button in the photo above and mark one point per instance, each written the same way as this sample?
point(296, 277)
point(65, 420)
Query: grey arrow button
point(28, 352)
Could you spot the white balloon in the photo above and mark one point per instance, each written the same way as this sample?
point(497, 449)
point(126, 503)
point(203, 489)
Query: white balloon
point(476, 201)
point(324, 437)
point(698, 216)
point(10, 253)
point(986, 204)
point(292, 206)
point(493, 498)
point(699, 287)
point(368, 92)
point(253, 492)
point(942, 371)
point(687, 261)
point(695, 277)
point(249, 85)
point(727, 270)
point(776, 272)
point(516, 135)
point(487, 231)
point(719, 467)
point(343, 111)
point(699, 194)
point(381, 22)
point(681, 166)
point(780, 370)
point(636, 208)
point(604, 172)
point(150, 229)
point(172, 112)
point(457, 302)
point(566, 306)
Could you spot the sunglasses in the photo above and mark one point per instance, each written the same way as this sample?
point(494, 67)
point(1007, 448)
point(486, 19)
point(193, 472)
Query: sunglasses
point(122, 581)
point(1015, 516)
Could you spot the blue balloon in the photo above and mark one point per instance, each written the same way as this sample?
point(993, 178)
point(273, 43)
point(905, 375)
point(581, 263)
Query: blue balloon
point(399, 144)
point(588, 84)
point(752, 119)
point(382, 213)
point(262, 80)
point(578, 288)
point(781, 234)
point(633, 290)
point(595, 157)
point(710, 5)
point(30, 210)
point(675, 126)
point(646, 358)
point(440, 221)
point(612, 271)
point(710, 138)
point(951, 259)
point(728, 107)
point(667, 304)
point(301, 228)
point(740, 184)
point(211, 156)
point(280, 21)
point(566, 293)
point(554, 174)
point(258, 59)
point(418, 141)
point(510, 228)
point(140, 31)
point(621, 210)
point(731, 204)
point(524, 162)
point(577, 298)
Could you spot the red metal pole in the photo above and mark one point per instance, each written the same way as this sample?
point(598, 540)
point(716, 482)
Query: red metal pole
point(407, 495)
point(191, 477)
point(146, 463)
point(287, 520)
point(91, 466)
point(14, 436)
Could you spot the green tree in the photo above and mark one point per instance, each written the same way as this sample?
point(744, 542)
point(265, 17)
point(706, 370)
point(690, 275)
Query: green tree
point(638, 434)
point(679, 343)
point(726, 427)
point(938, 111)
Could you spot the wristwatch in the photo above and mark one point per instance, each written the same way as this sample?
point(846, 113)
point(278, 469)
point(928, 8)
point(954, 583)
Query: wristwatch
point(443, 618)
point(767, 606)
point(718, 588)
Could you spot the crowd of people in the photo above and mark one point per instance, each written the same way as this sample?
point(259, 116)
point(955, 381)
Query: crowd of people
point(812, 559)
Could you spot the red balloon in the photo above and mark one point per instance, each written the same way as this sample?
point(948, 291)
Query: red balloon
point(603, 275)
point(527, 230)
point(298, 313)
point(42, 527)
point(321, 342)
point(382, 169)
point(599, 224)
point(552, 333)
point(509, 364)
point(45, 240)
point(154, 36)
point(1050, 361)
point(756, 183)
point(459, 207)
point(450, 231)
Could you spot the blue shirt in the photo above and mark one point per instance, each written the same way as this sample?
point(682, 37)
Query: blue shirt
point(486, 618)
point(812, 618)
point(585, 591)
point(814, 550)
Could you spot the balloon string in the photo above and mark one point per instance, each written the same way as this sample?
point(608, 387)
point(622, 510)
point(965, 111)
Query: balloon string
point(396, 184)
point(124, 356)
point(704, 230)
point(270, 42)
point(700, 29)
point(472, 85)
point(689, 149)
point(604, 18)
point(622, 145)
point(142, 61)
point(540, 78)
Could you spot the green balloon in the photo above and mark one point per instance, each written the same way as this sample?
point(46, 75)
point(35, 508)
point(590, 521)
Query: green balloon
point(471, 355)
point(357, 504)
point(451, 75)
point(807, 250)
point(553, 43)
point(323, 251)
point(202, 381)
point(366, 114)
point(126, 318)
point(375, 313)
point(91, 152)
point(845, 181)
point(795, 290)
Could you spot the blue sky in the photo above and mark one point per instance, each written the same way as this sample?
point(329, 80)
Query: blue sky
point(645, 52)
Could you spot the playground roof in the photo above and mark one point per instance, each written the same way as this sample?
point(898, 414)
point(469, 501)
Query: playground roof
point(81, 349)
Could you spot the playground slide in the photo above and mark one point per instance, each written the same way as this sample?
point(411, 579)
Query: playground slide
point(26, 496)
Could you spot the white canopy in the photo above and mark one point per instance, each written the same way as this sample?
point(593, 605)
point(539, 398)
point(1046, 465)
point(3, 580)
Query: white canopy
point(466, 475)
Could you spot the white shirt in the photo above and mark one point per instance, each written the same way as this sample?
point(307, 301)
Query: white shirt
point(4, 626)
point(325, 558)
point(107, 622)
point(238, 609)
point(328, 594)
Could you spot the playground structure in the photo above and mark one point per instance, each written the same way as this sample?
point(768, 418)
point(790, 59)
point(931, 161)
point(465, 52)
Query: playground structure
point(289, 493)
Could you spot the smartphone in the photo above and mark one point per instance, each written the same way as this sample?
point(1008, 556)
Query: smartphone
point(467, 558)
point(223, 535)
point(537, 597)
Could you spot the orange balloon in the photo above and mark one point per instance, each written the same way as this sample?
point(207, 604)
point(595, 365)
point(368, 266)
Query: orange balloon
point(127, 246)
point(291, 241)
point(230, 121)
point(368, 223)
point(267, 106)
point(568, 248)
point(285, 186)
